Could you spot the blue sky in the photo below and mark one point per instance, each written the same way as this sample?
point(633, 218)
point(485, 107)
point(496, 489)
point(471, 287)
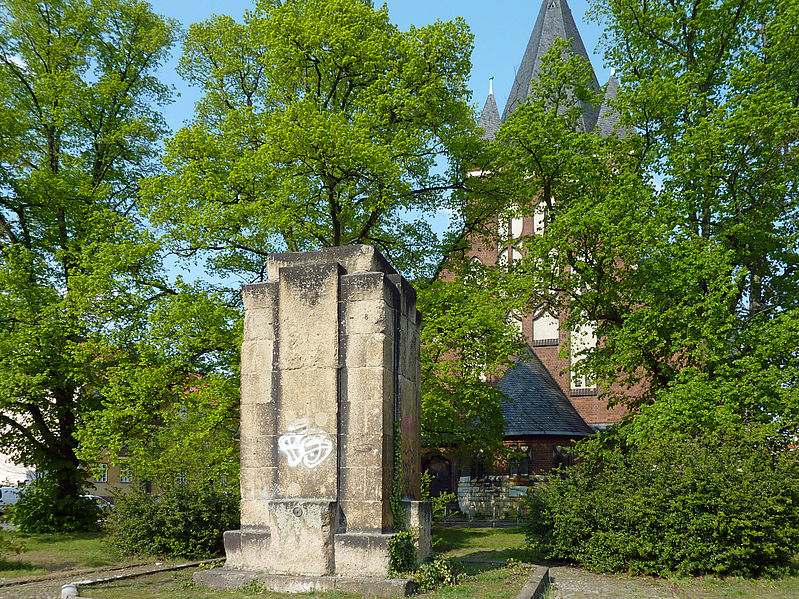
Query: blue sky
point(501, 30)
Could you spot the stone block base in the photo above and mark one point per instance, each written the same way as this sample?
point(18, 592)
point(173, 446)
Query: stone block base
point(362, 554)
point(223, 578)
point(247, 547)
point(420, 519)
point(295, 523)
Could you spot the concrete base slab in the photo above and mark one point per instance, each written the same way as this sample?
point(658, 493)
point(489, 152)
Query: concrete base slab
point(224, 578)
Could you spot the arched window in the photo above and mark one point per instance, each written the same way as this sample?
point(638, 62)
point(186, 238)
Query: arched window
point(516, 225)
point(502, 257)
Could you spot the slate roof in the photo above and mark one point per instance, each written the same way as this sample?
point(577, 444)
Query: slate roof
point(489, 118)
point(608, 120)
point(554, 21)
point(539, 406)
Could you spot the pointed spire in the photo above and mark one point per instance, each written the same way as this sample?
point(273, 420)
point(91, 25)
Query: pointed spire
point(555, 21)
point(608, 121)
point(489, 118)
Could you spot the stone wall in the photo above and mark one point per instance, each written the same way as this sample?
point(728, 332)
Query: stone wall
point(494, 496)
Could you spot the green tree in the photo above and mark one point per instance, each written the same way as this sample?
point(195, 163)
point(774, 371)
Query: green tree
point(170, 409)
point(468, 340)
point(78, 268)
point(321, 124)
point(678, 243)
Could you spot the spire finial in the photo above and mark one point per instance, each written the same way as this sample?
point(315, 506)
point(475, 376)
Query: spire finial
point(491, 86)
point(613, 71)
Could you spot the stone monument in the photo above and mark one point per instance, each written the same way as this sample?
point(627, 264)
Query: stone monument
point(329, 375)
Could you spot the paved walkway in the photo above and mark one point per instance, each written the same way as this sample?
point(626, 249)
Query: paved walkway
point(572, 583)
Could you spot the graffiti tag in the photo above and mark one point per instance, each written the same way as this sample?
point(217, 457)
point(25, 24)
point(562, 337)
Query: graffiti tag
point(303, 445)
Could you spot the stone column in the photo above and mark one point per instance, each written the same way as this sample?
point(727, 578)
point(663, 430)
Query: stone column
point(330, 368)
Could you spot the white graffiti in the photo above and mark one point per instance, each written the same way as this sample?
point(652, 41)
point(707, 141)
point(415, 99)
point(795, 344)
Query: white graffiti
point(309, 446)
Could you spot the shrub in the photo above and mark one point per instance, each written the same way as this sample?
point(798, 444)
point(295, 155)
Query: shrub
point(436, 572)
point(402, 551)
point(181, 521)
point(719, 504)
point(40, 510)
point(440, 504)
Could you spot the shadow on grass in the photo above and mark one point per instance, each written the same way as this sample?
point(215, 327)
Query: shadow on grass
point(7, 566)
point(51, 538)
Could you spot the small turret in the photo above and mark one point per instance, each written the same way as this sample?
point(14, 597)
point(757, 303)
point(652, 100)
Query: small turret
point(608, 121)
point(489, 118)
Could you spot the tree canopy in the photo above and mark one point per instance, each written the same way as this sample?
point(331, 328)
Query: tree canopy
point(321, 124)
point(468, 340)
point(678, 241)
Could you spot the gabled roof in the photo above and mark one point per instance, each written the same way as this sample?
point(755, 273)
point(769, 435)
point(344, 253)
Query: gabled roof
point(538, 406)
point(489, 118)
point(608, 120)
point(554, 21)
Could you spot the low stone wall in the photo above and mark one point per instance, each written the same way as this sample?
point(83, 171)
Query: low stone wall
point(493, 496)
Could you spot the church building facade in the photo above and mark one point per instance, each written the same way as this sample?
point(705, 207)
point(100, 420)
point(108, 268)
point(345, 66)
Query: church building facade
point(551, 406)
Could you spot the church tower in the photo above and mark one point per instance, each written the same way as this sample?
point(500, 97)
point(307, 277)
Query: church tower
point(555, 21)
point(555, 384)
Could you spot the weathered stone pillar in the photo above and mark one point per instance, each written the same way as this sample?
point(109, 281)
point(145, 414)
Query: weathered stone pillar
point(329, 370)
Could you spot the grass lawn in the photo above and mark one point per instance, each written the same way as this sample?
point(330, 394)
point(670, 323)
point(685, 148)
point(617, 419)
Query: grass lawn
point(483, 544)
point(52, 553)
point(48, 553)
point(713, 588)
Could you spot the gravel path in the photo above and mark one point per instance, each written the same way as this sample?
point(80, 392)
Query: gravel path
point(572, 583)
point(50, 587)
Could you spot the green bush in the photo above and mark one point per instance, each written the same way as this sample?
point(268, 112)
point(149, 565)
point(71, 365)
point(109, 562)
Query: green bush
point(181, 521)
point(40, 510)
point(438, 504)
point(438, 571)
point(721, 504)
point(402, 551)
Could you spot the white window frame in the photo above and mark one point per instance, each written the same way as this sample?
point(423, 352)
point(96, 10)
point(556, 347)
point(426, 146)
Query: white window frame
point(100, 472)
point(543, 333)
point(581, 341)
point(125, 474)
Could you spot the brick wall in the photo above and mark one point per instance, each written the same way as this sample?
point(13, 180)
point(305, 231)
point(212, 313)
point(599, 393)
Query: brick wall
point(592, 409)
